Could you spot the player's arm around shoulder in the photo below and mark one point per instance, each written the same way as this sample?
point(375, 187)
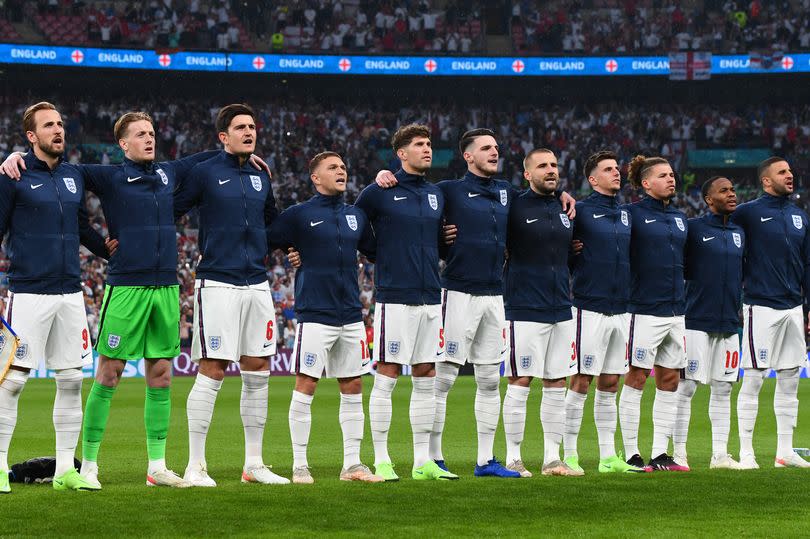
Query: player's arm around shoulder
point(189, 190)
point(8, 193)
point(368, 241)
point(282, 232)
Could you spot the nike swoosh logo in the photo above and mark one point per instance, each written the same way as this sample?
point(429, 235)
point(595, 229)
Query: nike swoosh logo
point(366, 363)
point(439, 354)
point(267, 345)
point(224, 182)
point(37, 185)
point(85, 355)
point(58, 482)
point(730, 372)
point(599, 216)
point(503, 351)
point(473, 195)
point(530, 221)
point(419, 472)
point(648, 221)
point(399, 198)
point(130, 180)
point(708, 239)
point(763, 219)
point(315, 223)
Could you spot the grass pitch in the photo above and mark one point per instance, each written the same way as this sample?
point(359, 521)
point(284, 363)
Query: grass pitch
point(766, 502)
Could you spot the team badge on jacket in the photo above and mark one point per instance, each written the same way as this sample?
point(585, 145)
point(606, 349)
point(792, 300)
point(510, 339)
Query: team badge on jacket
point(504, 198)
point(737, 239)
point(564, 218)
point(256, 182)
point(433, 201)
point(163, 177)
point(70, 183)
point(625, 220)
point(352, 220)
point(679, 222)
point(797, 220)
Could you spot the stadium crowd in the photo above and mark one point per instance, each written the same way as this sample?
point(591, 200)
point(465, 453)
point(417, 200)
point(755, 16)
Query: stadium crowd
point(290, 132)
point(454, 26)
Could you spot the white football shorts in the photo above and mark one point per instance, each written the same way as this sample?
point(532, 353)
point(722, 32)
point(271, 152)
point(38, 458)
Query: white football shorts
point(474, 328)
point(711, 357)
point(407, 334)
point(773, 339)
point(541, 350)
point(340, 351)
point(657, 340)
point(601, 342)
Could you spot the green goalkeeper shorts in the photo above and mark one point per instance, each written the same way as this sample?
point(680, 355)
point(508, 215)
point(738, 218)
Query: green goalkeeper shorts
point(139, 322)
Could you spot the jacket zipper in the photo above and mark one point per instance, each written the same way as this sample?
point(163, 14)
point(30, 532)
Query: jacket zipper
point(61, 225)
point(247, 227)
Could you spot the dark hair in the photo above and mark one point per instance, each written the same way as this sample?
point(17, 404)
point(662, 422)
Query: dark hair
point(594, 160)
point(229, 112)
point(534, 152)
point(315, 161)
point(470, 136)
point(639, 167)
point(704, 190)
point(763, 166)
point(405, 135)
point(121, 125)
point(28, 122)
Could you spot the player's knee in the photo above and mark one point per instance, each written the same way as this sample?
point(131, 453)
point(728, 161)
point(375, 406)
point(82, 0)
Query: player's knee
point(213, 368)
point(687, 388)
point(580, 383)
point(721, 389)
point(752, 381)
point(608, 383)
point(349, 386)
point(487, 377)
point(305, 384)
point(785, 374)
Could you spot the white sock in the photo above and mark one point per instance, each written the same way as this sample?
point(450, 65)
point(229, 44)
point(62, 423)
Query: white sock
point(552, 417)
point(574, 407)
point(10, 390)
point(665, 409)
point(446, 374)
point(422, 412)
point(514, 419)
point(604, 415)
point(720, 416)
point(199, 409)
point(487, 409)
point(253, 408)
point(352, 421)
point(629, 417)
point(67, 417)
point(686, 390)
point(786, 409)
point(300, 418)
point(747, 407)
point(379, 411)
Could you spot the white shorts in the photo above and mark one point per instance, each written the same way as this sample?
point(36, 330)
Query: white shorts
point(772, 339)
point(230, 322)
point(407, 334)
point(601, 342)
point(711, 357)
point(339, 350)
point(541, 350)
point(657, 340)
point(52, 327)
point(474, 328)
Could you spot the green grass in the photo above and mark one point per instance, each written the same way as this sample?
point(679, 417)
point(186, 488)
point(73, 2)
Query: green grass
point(766, 502)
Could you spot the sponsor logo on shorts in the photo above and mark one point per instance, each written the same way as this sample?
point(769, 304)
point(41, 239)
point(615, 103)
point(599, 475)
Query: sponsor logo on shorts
point(113, 341)
point(256, 182)
point(762, 354)
point(22, 351)
point(452, 348)
point(70, 183)
point(393, 348)
point(679, 222)
point(433, 201)
point(737, 239)
point(525, 362)
point(640, 353)
point(797, 221)
point(163, 177)
point(564, 218)
point(214, 342)
point(352, 220)
point(309, 359)
point(692, 366)
point(587, 361)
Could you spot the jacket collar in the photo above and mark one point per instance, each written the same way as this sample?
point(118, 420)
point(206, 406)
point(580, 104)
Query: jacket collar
point(777, 201)
point(32, 162)
point(404, 177)
point(148, 167)
point(328, 200)
point(603, 200)
point(654, 203)
point(477, 179)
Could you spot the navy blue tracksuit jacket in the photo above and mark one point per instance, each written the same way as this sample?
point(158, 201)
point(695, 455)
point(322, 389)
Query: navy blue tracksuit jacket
point(327, 233)
point(713, 272)
point(776, 269)
point(46, 218)
point(657, 244)
point(407, 222)
point(601, 272)
point(536, 275)
point(236, 207)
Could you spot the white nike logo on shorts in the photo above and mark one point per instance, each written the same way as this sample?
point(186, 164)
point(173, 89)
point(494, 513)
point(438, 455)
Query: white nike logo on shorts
point(37, 185)
point(472, 195)
point(223, 182)
point(530, 221)
point(763, 219)
point(648, 221)
point(130, 180)
point(315, 223)
point(708, 239)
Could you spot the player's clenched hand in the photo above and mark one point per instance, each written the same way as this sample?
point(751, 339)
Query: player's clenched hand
point(450, 233)
point(259, 164)
point(12, 165)
point(576, 247)
point(386, 179)
point(111, 245)
point(568, 203)
point(294, 257)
